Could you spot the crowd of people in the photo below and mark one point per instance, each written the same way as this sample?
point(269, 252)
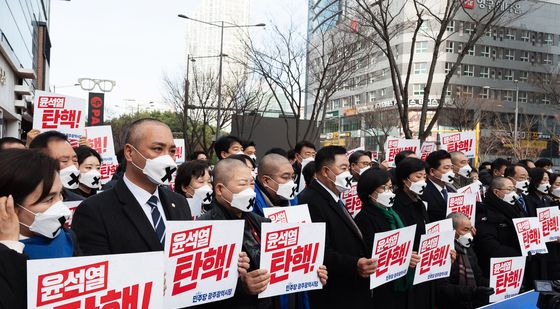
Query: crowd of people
point(129, 213)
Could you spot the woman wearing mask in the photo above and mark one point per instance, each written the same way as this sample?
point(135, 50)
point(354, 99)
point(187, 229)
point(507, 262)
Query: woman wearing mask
point(89, 162)
point(194, 182)
point(539, 188)
point(31, 219)
point(554, 189)
point(377, 215)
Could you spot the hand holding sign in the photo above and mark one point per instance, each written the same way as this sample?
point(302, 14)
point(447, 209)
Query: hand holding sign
point(256, 281)
point(414, 260)
point(366, 267)
point(323, 274)
point(9, 223)
point(243, 263)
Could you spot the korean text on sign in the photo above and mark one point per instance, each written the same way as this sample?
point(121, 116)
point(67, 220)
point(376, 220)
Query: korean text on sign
point(292, 214)
point(529, 234)
point(548, 218)
point(201, 261)
point(435, 258)
point(464, 203)
point(506, 276)
point(460, 141)
point(59, 112)
point(395, 145)
point(292, 252)
point(351, 200)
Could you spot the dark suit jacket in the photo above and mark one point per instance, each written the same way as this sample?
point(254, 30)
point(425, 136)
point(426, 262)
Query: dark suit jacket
point(343, 248)
point(437, 206)
point(113, 222)
point(13, 279)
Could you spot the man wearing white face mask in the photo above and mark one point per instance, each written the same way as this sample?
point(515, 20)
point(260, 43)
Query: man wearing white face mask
point(134, 212)
point(56, 145)
point(466, 287)
point(345, 252)
point(462, 170)
point(359, 163)
point(440, 178)
point(275, 186)
point(520, 177)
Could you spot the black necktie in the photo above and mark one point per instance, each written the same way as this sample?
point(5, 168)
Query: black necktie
point(159, 225)
point(341, 205)
point(444, 193)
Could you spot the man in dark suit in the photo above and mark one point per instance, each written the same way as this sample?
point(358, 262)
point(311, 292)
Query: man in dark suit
point(520, 177)
point(345, 251)
point(131, 216)
point(440, 177)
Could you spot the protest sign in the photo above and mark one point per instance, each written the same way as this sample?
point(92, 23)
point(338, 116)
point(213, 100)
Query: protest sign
point(393, 249)
point(59, 112)
point(464, 142)
point(548, 218)
point(506, 276)
point(426, 149)
point(351, 200)
point(472, 188)
point(350, 152)
point(440, 226)
point(288, 214)
point(292, 252)
point(395, 145)
point(464, 203)
point(100, 138)
point(529, 234)
point(201, 261)
point(108, 281)
point(72, 205)
point(179, 150)
point(435, 256)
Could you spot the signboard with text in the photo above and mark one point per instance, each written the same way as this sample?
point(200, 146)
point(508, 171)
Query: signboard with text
point(464, 142)
point(288, 214)
point(435, 256)
point(548, 218)
point(395, 145)
point(506, 276)
point(464, 203)
point(351, 200)
point(529, 234)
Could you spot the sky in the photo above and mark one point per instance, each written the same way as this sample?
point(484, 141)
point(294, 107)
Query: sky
point(135, 43)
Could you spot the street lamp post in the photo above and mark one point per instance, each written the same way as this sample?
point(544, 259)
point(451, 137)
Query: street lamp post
point(221, 26)
point(516, 113)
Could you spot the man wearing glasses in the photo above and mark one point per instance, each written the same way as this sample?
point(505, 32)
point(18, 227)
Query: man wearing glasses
point(359, 163)
point(275, 185)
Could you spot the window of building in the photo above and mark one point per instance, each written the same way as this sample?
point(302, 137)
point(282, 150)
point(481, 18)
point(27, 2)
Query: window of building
point(371, 78)
point(468, 91)
point(484, 72)
point(485, 52)
point(524, 56)
point(508, 95)
point(508, 74)
point(524, 76)
point(485, 93)
point(421, 47)
point(509, 54)
point(488, 32)
point(525, 36)
point(382, 92)
point(545, 99)
point(510, 34)
point(371, 96)
point(448, 90)
point(548, 39)
point(522, 96)
point(471, 52)
point(336, 104)
point(547, 59)
point(425, 26)
point(357, 100)
point(448, 66)
point(468, 70)
point(449, 46)
point(346, 102)
point(420, 68)
point(418, 89)
point(468, 28)
point(451, 26)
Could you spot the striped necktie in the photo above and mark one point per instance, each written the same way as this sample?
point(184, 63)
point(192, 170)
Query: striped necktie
point(159, 225)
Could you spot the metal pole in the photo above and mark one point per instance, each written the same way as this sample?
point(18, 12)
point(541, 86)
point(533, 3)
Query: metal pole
point(186, 109)
point(516, 115)
point(220, 81)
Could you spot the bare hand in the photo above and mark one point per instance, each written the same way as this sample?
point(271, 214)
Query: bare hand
point(414, 260)
point(453, 254)
point(30, 136)
point(164, 283)
point(243, 264)
point(323, 274)
point(366, 267)
point(256, 281)
point(83, 141)
point(384, 165)
point(9, 222)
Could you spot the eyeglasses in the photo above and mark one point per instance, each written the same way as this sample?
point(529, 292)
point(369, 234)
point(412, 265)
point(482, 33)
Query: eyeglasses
point(365, 163)
point(507, 189)
point(286, 177)
point(104, 85)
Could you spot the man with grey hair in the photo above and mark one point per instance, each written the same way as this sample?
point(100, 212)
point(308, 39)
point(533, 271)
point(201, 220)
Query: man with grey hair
point(462, 170)
point(466, 286)
point(275, 185)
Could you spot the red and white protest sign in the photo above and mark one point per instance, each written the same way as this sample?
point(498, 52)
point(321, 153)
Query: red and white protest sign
point(464, 142)
point(350, 152)
point(288, 214)
point(506, 276)
point(108, 168)
point(530, 236)
point(195, 204)
point(61, 113)
point(201, 261)
point(104, 282)
point(179, 150)
point(441, 226)
point(375, 155)
point(100, 138)
point(435, 256)
point(395, 145)
point(292, 252)
point(426, 149)
point(72, 205)
point(548, 218)
point(464, 203)
point(351, 200)
point(472, 188)
point(393, 250)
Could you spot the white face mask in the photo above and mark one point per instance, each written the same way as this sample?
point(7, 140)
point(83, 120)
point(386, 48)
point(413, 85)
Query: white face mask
point(544, 188)
point(159, 170)
point(386, 198)
point(465, 240)
point(523, 186)
point(550, 171)
point(91, 179)
point(286, 190)
point(70, 177)
point(465, 171)
point(240, 152)
point(50, 222)
point(244, 200)
point(510, 198)
point(448, 177)
point(343, 181)
point(362, 170)
point(556, 192)
point(253, 157)
point(204, 194)
point(418, 186)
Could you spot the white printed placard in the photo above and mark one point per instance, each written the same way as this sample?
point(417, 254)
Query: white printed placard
point(506, 276)
point(426, 149)
point(96, 281)
point(445, 225)
point(464, 142)
point(179, 150)
point(393, 250)
point(394, 145)
point(351, 200)
point(100, 138)
point(61, 113)
point(548, 218)
point(464, 203)
point(292, 252)
point(435, 257)
point(288, 214)
point(195, 204)
point(529, 234)
point(108, 168)
point(201, 261)
point(472, 188)
point(350, 152)
point(72, 205)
